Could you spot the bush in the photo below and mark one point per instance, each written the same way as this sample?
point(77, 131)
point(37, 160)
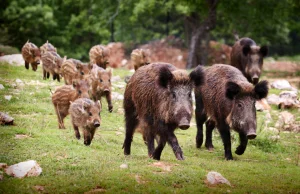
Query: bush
point(8, 50)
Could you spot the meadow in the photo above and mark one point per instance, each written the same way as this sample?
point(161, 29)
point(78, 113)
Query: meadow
point(267, 166)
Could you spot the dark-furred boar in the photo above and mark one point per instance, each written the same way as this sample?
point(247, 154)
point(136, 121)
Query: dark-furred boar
point(228, 100)
point(158, 99)
point(101, 85)
point(139, 58)
point(64, 95)
point(52, 63)
point(248, 58)
point(99, 55)
point(85, 113)
point(73, 69)
point(47, 47)
point(31, 54)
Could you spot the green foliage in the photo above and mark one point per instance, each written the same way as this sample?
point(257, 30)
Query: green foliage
point(8, 50)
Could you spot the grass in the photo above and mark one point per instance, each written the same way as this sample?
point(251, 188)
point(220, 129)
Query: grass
point(70, 167)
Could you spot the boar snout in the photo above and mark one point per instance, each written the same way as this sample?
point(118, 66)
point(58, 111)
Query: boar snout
point(106, 90)
point(96, 123)
point(184, 124)
point(255, 79)
point(38, 62)
point(251, 134)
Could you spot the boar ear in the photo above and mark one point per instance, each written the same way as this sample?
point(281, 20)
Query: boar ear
point(165, 75)
point(246, 50)
point(232, 89)
point(109, 72)
point(261, 90)
point(197, 76)
point(78, 65)
point(264, 50)
point(86, 106)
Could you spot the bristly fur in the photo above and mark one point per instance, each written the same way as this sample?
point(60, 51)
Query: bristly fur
point(232, 89)
point(165, 76)
point(261, 89)
point(198, 75)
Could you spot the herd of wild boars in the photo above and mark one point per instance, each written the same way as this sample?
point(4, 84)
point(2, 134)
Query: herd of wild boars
point(158, 97)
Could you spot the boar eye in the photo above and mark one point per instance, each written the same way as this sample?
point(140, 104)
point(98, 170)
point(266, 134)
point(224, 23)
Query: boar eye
point(101, 80)
point(90, 114)
point(239, 105)
point(81, 73)
point(190, 94)
point(173, 95)
point(79, 92)
point(109, 80)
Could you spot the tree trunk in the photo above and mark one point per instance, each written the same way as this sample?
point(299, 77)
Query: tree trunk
point(199, 30)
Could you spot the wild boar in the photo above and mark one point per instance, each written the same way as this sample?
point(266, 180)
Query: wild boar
point(86, 114)
point(52, 63)
point(158, 99)
point(31, 54)
point(139, 58)
point(101, 85)
point(64, 95)
point(248, 58)
point(47, 47)
point(99, 55)
point(73, 69)
point(228, 100)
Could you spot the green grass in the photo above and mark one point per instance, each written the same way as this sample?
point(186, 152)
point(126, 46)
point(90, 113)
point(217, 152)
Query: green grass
point(70, 167)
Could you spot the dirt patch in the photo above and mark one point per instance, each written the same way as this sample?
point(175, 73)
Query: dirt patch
point(284, 66)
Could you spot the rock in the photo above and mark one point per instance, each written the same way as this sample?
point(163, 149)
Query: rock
point(118, 133)
point(115, 79)
point(1, 87)
point(15, 59)
point(19, 81)
point(262, 105)
point(21, 136)
point(287, 117)
point(273, 99)
point(119, 86)
point(268, 117)
point(117, 96)
point(127, 78)
point(8, 97)
point(124, 166)
point(23, 169)
point(214, 178)
point(282, 85)
point(6, 119)
point(272, 129)
point(275, 137)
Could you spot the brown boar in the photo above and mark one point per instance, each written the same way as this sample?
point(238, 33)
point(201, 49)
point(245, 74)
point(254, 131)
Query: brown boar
point(73, 69)
point(248, 58)
point(158, 99)
point(101, 85)
point(52, 63)
point(228, 99)
point(64, 95)
point(31, 55)
point(86, 114)
point(47, 47)
point(99, 55)
point(139, 58)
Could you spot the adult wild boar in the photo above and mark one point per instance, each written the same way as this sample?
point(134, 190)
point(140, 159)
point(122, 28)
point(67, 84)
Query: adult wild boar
point(31, 54)
point(248, 58)
point(64, 95)
point(99, 54)
point(228, 100)
point(158, 99)
point(85, 113)
point(101, 85)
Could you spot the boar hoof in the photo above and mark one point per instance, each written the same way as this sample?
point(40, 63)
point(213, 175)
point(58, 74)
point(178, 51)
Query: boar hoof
point(240, 150)
point(61, 127)
point(179, 156)
point(110, 108)
point(229, 157)
point(87, 143)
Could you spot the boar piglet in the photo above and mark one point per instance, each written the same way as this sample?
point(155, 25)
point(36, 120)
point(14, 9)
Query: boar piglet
point(248, 58)
point(99, 55)
point(47, 47)
point(228, 100)
point(31, 55)
point(139, 58)
point(64, 95)
point(158, 99)
point(73, 69)
point(101, 85)
point(85, 113)
point(52, 63)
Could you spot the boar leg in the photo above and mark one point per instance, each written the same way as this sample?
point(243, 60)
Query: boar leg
point(60, 117)
point(150, 144)
point(157, 152)
point(34, 66)
point(224, 130)
point(243, 144)
point(58, 77)
point(54, 76)
point(210, 125)
point(172, 141)
point(26, 65)
point(131, 123)
point(44, 74)
point(77, 134)
point(48, 75)
point(92, 133)
point(200, 120)
point(87, 137)
point(108, 99)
